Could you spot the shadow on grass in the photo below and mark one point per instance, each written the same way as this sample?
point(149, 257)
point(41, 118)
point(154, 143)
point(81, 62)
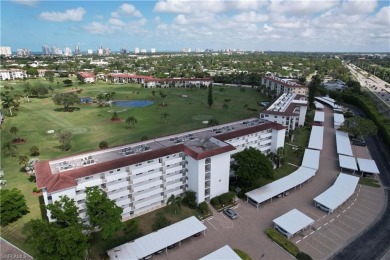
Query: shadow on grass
point(43, 208)
point(69, 109)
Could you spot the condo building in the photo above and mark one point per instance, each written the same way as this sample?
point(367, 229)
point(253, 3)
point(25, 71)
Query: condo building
point(140, 177)
point(288, 110)
point(284, 85)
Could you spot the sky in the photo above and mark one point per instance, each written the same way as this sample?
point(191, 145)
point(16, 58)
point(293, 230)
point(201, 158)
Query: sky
point(171, 25)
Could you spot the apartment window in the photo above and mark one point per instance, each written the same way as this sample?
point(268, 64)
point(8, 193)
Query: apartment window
point(89, 177)
point(111, 171)
point(150, 161)
point(118, 170)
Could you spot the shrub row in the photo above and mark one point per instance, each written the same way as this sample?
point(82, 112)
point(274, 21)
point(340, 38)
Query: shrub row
point(223, 199)
point(282, 241)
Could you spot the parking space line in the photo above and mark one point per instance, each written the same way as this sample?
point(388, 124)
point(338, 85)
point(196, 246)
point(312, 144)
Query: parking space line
point(338, 215)
point(348, 207)
point(342, 222)
point(330, 241)
point(322, 243)
point(341, 229)
point(305, 237)
point(311, 232)
point(336, 234)
point(315, 248)
point(319, 228)
point(212, 225)
point(331, 220)
point(355, 219)
point(364, 212)
point(344, 211)
point(297, 241)
point(326, 224)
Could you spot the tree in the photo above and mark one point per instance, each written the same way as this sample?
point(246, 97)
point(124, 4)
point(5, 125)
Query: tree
point(164, 116)
point(67, 82)
point(66, 100)
point(52, 241)
point(64, 212)
point(174, 203)
point(65, 140)
point(153, 93)
point(210, 97)
point(103, 145)
point(204, 208)
point(100, 99)
point(115, 116)
point(160, 221)
point(14, 130)
point(10, 149)
point(49, 75)
point(23, 160)
point(34, 150)
point(8, 102)
point(280, 156)
point(225, 106)
point(246, 106)
point(250, 165)
point(103, 213)
point(12, 206)
point(163, 96)
point(39, 91)
point(27, 91)
point(313, 88)
point(354, 85)
point(32, 72)
point(189, 199)
point(131, 120)
point(213, 122)
point(358, 126)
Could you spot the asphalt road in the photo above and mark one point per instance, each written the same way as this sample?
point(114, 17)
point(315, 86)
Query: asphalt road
point(373, 243)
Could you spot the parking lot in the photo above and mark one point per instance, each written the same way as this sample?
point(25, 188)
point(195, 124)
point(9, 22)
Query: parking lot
point(328, 234)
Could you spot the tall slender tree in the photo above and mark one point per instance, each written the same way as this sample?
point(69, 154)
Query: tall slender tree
point(210, 96)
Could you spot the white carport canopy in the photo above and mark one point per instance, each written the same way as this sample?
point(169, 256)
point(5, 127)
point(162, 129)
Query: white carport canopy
point(225, 253)
point(293, 222)
point(319, 116)
point(367, 165)
point(347, 162)
point(338, 193)
point(277, 187)
point(311, 159)
point(318, 105)
point(158, 240)
point(329, 101)
point(338, 120)
point(343, 144)
point(316, 137)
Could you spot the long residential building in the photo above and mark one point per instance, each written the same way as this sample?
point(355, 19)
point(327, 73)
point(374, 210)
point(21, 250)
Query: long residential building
point(288, 110)
point(284, 85)
point(12, 74)
point(140, 177)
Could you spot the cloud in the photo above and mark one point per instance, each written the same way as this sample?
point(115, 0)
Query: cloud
point(250, 17)
point(302, 7)
point(126, 10)
point(247, 4)
point(26, 2)
point(97, 28)
point(114, 25)
point(189, 6)
point(116, 22)
point(353, 7)
point(74, 15)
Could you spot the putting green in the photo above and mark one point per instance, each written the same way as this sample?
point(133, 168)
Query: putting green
point(75, 130)
point(202, 117)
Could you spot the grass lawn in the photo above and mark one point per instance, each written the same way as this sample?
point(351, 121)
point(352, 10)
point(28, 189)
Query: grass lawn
point(369, 182)
point(91, 125)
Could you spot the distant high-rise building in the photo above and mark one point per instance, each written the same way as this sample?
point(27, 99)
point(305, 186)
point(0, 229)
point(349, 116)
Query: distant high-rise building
point(77, 50)
point(144, 51)
point(90, 51)
point(136, 50)
point(56, 51)
point(123, 51)
point(5, 50)
point(67, 51)
point(153, 50)
point(106, 51)
point(23, 52)
point(199, 50)
point(100, 51)
point(186, 50)
point(45, 50)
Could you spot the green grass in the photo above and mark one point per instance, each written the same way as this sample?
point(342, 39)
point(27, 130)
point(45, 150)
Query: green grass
point(91, 125)
point(242, 254)
point(369, 182)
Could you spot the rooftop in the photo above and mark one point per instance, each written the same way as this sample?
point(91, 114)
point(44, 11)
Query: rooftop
point(286, 104)
point(285, 82)
point(198, 144)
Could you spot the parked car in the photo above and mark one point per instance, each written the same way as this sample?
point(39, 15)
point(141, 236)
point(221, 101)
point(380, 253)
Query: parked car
point(230, 213)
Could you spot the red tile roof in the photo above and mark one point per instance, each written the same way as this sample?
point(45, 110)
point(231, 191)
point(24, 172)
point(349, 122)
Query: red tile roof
point(177, 80)
point(86, 74)
point(67, 179)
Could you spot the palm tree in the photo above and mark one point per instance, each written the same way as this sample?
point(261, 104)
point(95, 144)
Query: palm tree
point(8, 102)
point(100, 99)
point(225, 106)
point(131, 120)
point(34, 150)
point(246, 106)
point(27, 92)
point(174, 203)
point(280, 155)
point(14, 130)
point(273, 157)
point(23, 160)
point(164, 116)
point(103, 145)
point(10, 149)
point(163, 96)
point(109, 97)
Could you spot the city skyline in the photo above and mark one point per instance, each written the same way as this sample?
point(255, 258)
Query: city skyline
point(171, 25)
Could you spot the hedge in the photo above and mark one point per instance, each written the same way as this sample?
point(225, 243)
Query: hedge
point(282, 241)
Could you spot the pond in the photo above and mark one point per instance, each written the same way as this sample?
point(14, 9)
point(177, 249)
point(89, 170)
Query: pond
point(132, 103)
